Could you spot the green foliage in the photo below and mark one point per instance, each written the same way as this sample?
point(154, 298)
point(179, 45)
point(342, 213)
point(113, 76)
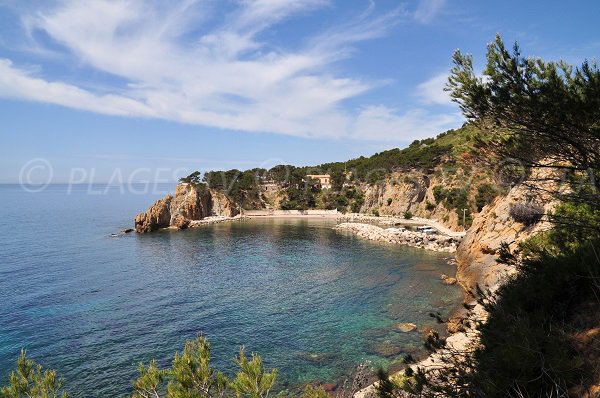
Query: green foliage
point(337, 179)
point(299, 199)
point(359, 200)
point(532, 111)
point(314, 392)
point(538, 113)
point(486, 193)
point(375, 212)
point(252, 381)
point(575, 225)
point(408, 214)
point(31, 380)
point(238, 185)
point(455, 199)
point(376, 176)
point(192, 376)
point(439, 193)
point(341, 203)
point(524, 348)
point(523, 344)
point(149, 381)
point(429, 206)
point(194, 178)
point(407, 381)
point(389, 201)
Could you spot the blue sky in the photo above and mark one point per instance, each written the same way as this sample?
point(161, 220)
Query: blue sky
point(139, 90)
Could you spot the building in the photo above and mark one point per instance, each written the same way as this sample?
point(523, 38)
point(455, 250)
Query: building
point(324, 180)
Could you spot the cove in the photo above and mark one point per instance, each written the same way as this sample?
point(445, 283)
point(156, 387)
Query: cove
point(312, 301)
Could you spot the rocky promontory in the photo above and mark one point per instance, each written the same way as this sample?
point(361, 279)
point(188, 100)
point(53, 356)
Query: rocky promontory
point(190, 204)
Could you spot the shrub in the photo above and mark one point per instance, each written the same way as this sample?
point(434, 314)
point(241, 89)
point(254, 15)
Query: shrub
point(524, 348)
point(408, 215)
point(375, 212)
point(526, 213)
point(439, 193)
point(429, 206)
point(389, 201)
point(485, 194)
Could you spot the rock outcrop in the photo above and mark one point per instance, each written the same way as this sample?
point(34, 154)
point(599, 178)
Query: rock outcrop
point(157, 216)
point(190, 203)
point(476, 255)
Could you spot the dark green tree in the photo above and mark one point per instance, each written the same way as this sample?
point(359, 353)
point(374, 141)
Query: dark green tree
point(541, 114)
point(194, 178)
point(192, 376)
point(31, 380)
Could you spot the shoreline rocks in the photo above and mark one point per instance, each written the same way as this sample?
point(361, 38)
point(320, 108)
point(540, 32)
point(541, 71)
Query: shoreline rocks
point(433, 242)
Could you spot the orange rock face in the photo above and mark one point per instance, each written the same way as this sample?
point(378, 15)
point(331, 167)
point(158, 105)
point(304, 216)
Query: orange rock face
point(190, 203)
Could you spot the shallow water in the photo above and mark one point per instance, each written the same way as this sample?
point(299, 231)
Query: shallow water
point(313, 302)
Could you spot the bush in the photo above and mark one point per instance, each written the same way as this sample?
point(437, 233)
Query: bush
point(439, 193)
point(485, 195)
point(375, 212)
point(525, 348)
point(429, 206)
point(526, 213)
point(389, 201)
point(408, 215)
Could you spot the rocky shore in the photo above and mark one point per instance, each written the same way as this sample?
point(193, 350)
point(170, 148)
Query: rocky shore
point(402, 236)
point(477, 268)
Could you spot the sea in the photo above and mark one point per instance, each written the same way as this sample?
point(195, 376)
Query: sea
point(312, 302)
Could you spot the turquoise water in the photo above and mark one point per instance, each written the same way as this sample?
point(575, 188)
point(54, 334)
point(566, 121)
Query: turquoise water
point(313, 302)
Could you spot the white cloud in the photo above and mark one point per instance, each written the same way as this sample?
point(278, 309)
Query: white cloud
point(427, 10)
point(432, 90)
point(16, 83)
point(386, 124)
point(180, 62)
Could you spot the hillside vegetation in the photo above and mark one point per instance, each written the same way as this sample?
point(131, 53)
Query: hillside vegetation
point(431, 177)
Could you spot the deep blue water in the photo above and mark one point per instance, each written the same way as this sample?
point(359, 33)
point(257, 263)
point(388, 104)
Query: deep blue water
point(313, 302)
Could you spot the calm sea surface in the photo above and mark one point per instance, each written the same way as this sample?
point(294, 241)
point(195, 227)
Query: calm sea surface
point(313, 302)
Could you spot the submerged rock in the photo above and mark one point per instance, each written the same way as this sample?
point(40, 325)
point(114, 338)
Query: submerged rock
point(318, 357)
point(406, 327)
point(448, 280)
point(385, 349)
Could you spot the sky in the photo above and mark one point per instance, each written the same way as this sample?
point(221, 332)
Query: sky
point(148, 90)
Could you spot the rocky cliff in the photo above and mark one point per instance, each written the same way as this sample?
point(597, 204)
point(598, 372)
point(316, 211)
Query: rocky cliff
point(190, 203)
point(413, 191)
point(476, 255)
